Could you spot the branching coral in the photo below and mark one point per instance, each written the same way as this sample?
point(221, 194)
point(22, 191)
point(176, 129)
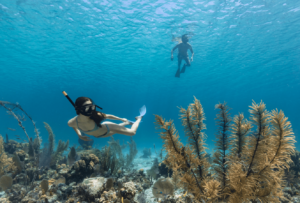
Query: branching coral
point(220, 161)
point(11, 109)
point(239, 129)
point(6, 164)
point(247, 167)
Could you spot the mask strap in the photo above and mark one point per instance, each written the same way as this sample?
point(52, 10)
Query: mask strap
point(98, 107)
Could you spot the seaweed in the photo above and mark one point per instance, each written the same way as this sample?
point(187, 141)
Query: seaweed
point(72, 156)
point(154, 170)
point(252, 169)
point(116, 149)
point(49, 157)
point(108, 161)
point(34, 147)
point(61, 147)
point(132, 153)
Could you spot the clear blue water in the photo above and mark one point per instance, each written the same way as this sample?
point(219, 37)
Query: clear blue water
point(118, 53)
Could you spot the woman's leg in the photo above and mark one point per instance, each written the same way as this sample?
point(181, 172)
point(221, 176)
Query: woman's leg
point(124, 124)
point(120, 129)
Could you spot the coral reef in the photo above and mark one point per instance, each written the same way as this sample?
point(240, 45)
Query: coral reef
point(11, 110)
point(12, 146)
point(80, 169)
point(239, 175)
point(6, 164)
point(253, 161)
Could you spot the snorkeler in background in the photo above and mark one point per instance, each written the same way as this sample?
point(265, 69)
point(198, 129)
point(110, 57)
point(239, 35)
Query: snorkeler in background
point(89, 121)
point(182, 54)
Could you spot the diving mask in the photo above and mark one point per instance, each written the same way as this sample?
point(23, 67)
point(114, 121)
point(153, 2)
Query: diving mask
point(88, 109)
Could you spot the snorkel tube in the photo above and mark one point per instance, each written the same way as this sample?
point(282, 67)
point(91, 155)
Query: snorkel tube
point(70, 100)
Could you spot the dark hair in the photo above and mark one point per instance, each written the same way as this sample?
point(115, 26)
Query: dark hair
point(95, 115)
point(184, 38)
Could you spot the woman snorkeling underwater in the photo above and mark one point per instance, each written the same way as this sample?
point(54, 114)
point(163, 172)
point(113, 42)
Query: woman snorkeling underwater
point(89, 121)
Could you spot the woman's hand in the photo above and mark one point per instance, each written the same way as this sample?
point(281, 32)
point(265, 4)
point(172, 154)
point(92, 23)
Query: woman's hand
point(85, 138)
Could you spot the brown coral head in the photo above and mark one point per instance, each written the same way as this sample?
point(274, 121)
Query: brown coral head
point(5, 182)
point(45, 185)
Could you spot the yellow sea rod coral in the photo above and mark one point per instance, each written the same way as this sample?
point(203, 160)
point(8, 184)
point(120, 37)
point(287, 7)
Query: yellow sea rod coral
point(258, 152)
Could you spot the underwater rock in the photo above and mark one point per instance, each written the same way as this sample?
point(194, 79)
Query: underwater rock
point(21, 179)
point(61, 190)
point(108, 196)
point(139, 177)
point(16, 193)
point(91, 189)
point(86, 144)
point(128, 191)
point(64, 171)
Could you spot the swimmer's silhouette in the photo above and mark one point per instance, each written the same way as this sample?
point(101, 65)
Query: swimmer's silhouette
point(182, 54)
